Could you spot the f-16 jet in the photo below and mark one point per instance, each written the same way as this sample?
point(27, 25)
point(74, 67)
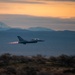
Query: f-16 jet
point(22, 41)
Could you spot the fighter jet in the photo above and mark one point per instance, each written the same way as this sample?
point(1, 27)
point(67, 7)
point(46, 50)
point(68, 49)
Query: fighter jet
point(22, 41)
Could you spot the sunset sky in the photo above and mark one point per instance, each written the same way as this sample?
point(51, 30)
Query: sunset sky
point(54, 14)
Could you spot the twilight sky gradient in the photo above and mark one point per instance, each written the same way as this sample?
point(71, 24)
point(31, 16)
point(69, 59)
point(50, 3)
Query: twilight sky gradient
point(54, 14)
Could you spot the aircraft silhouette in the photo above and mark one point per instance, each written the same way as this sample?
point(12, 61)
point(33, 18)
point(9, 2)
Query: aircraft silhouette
point(22, 41)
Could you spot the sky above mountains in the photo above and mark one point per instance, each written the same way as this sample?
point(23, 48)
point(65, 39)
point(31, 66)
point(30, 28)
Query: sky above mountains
point(26, 21)
point(47, 8)
point(54, 14)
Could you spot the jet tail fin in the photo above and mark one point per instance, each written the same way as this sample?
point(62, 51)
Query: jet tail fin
point(20, 39)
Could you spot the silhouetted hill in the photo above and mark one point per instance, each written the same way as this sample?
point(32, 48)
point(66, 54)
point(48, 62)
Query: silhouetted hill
point(37, 65)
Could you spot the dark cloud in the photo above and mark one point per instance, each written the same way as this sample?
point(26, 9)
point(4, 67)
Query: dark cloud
point(25, 21)
point(58, 0)
point(32, 2)
point(20, 1)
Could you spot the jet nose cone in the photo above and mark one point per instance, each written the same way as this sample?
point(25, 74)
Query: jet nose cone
point(41, 40)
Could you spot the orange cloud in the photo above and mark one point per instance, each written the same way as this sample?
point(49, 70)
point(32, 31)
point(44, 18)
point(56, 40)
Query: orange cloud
point(50, 9)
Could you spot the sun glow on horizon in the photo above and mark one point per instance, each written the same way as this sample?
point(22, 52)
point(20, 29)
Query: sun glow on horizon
point(51, 9)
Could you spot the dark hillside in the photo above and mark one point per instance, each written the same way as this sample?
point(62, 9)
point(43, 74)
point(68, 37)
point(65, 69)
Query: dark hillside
point(37, 65)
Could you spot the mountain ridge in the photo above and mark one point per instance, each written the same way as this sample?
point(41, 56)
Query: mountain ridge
point(3, 26)
point(39, 29)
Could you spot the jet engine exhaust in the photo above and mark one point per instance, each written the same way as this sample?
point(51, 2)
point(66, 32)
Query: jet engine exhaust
point(14, 42)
